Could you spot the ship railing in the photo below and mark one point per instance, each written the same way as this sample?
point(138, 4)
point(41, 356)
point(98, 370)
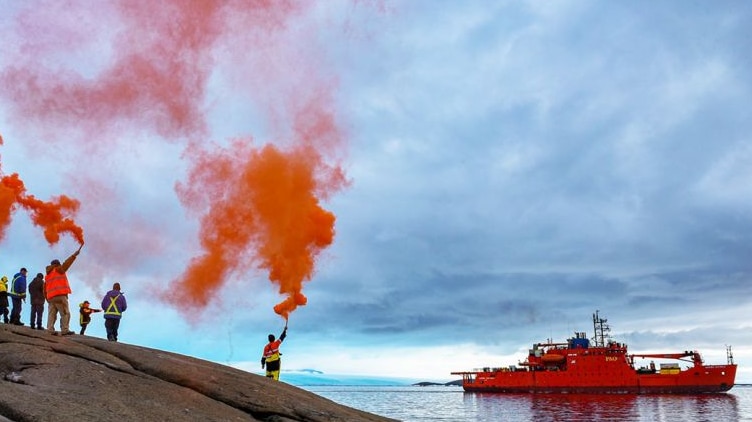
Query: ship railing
point(510, 368)
point(716, 366)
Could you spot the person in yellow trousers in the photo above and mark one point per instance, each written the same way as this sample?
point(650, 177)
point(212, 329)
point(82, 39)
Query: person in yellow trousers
point(271, 355)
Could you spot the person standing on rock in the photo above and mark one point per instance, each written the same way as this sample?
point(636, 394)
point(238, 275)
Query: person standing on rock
point(58, 289)
point(113, 304)
point(17, 294)
point(36, 291)
point(271, 357)
point(85, 315)
point(4, 298)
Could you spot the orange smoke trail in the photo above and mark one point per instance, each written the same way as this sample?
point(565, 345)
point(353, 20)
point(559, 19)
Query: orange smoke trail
point(101, 72)
point(47, 215)
point(263, 213)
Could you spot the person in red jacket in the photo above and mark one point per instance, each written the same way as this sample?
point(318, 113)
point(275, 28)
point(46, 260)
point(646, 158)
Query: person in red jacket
point(271, 357)
point(58, 289)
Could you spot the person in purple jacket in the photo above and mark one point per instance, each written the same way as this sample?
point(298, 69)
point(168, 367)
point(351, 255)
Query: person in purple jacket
point(114, 305)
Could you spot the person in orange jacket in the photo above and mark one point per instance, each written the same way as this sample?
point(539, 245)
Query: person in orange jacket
point(271, 357)
point(57, 290)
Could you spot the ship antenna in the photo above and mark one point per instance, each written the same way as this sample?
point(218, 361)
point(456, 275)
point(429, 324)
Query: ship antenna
point(600, 330)
point(729, 355)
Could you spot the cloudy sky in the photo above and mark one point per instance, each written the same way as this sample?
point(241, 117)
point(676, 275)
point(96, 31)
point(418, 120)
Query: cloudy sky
point(497, 172)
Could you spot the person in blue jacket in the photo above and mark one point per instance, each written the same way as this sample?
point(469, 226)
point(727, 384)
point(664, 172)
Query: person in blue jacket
point(17, 293)
point(113, 305)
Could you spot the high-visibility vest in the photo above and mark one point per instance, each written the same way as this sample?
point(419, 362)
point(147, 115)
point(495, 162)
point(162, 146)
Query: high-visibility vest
point(56, 284)
point(113, 309)
point(271, 351)
point(12, 291)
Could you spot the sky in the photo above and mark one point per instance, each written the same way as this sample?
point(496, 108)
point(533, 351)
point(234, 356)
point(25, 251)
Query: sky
point(419, 187)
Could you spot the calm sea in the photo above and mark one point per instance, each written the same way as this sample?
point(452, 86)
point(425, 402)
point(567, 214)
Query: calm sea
point(452, 404)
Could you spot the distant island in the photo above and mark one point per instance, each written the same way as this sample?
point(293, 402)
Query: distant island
point(438, 384)
point(308, 377)
point(307, 371)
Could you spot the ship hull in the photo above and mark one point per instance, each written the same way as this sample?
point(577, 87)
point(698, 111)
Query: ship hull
point(602, 377)
point(672, 389)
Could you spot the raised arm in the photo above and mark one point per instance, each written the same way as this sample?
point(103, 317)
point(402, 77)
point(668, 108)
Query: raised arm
point(68, 262)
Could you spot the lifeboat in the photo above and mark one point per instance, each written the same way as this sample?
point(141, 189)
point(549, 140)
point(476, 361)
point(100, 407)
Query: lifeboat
point(552, 358)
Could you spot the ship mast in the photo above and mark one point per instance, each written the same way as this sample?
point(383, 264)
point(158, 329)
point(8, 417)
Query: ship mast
point(601, 330)
point(729, 356)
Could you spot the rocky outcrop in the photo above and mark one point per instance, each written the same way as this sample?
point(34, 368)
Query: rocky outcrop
point(52, 378)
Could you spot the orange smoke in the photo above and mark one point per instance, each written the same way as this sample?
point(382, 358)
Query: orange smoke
point(51, 216)
point(263, 213)
point(98, 73)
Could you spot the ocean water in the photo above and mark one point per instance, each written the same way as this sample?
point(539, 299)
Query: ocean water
point(453, 404)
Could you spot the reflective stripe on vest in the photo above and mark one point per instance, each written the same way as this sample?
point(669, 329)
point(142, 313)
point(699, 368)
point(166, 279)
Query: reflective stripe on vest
point(271, 351)
point(113, 309)
point(12, 291)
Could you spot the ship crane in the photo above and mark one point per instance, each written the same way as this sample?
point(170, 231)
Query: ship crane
point(696, 358)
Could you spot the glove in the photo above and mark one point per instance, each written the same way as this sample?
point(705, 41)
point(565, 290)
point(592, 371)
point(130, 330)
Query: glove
point(263, 362)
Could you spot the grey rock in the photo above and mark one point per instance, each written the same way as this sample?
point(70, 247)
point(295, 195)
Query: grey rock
point(55, 378)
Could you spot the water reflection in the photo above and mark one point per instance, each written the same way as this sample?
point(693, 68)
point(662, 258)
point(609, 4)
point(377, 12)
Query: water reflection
point(709, 407)
point(601, 407)
point(451, 404)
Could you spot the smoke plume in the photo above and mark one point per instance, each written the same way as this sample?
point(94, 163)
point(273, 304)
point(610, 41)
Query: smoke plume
point(54, 217)
point(98, 72)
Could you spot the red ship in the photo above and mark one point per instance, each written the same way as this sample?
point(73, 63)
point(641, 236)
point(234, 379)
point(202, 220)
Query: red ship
point(602, 366)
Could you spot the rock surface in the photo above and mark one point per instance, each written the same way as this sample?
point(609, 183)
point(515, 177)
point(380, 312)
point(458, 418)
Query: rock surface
point(52, 378)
